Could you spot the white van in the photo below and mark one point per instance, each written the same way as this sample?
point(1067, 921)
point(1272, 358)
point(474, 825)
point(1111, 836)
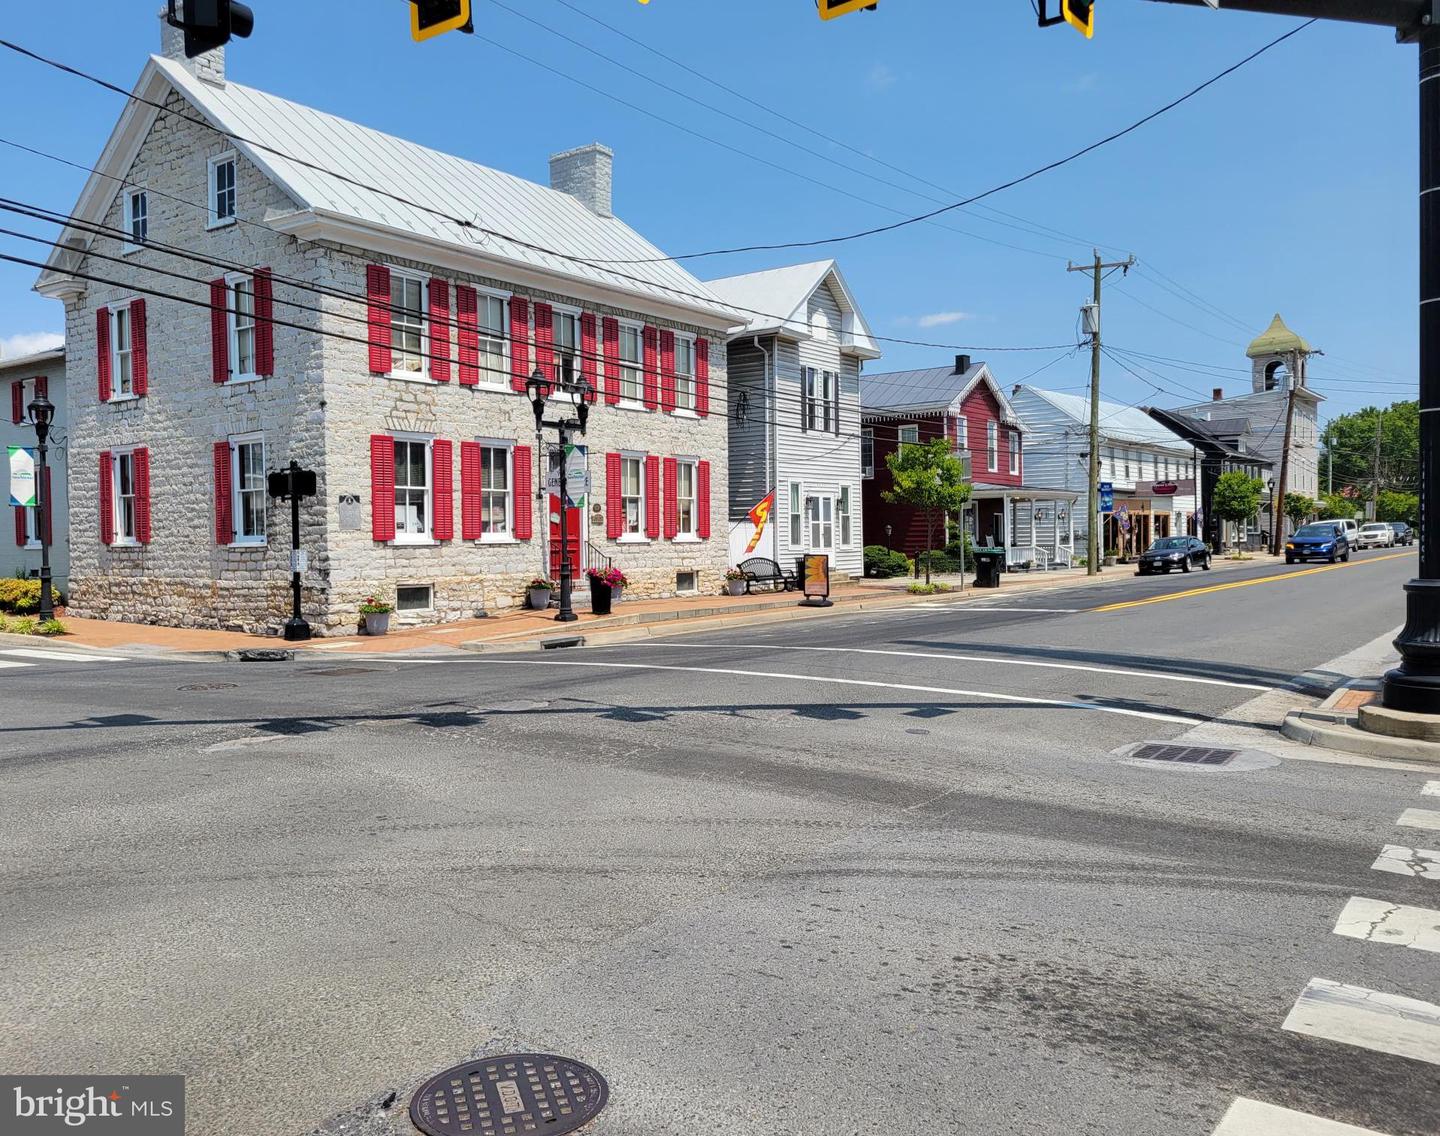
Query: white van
point(1351, 526)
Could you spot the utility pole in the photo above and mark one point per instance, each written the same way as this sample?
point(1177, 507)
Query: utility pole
point(1092, 527)
point(1375, 471)
point(1277, 511)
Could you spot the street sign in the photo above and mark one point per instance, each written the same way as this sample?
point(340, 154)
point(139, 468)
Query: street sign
point(1107, 496)
point(815, 570)
point(22, 477)
point(299, 560)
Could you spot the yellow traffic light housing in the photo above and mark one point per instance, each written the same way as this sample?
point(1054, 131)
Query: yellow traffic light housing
point(1080, 15)
point(430, 18)
point(829, 9)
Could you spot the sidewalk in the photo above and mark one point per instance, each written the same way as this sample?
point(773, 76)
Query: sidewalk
point(517, 628)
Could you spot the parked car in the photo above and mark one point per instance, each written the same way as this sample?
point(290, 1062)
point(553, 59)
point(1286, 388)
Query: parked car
point(1319, 540)
point(1351, 527)
point(1375, 534)
point(1182, 552)
point(1404, 534)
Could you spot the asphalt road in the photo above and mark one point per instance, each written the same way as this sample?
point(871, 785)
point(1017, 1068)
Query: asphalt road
point(881, 872)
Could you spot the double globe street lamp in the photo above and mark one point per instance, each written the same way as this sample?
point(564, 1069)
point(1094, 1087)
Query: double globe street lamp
point(581, 395)
point(42, 414)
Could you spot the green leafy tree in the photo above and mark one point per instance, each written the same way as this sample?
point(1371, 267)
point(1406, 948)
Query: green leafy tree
point(1396, 505)
point(930, 478)
point(1299, 508)
point(1335, 505)
point(1237, 496)
point(1347, 453)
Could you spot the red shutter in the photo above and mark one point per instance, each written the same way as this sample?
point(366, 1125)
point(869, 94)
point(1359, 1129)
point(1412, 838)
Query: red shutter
point(17, 401)
point(466, 317)
point(102, 353)
point(610, 337)
point(377, 291)
point(702, 377)
point(107, 500)
point(20, 525)
point(264, 322)
point(652, 376)
point(588, 348)
point(141, 457)
point(702, 500)
point(667, 371)
point(652, 496)
point(139, 348)
point(519, 342)
point(49, 502)
point(469, 490)
point(219, 332)
point(224, 498)
point(442, 468)
point(42, 386)
point(545, 340)
point(440, 331)
point(672, 502)
point(614, 504)
point(522, 460)
point(382, 487)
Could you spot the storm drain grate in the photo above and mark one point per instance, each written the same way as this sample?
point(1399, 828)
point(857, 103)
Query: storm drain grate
point(1185, 755)
point(512, 1095)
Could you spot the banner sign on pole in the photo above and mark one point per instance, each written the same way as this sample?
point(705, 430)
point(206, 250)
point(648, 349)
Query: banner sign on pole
point(577, 475)
point(22, 477)
point(759, 515)
point(1107, 496)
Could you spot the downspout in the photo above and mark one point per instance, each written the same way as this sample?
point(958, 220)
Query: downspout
point(773, 401)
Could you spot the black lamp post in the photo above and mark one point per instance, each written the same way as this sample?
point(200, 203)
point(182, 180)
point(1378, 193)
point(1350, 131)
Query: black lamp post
point(42, 414)
point(582, 392)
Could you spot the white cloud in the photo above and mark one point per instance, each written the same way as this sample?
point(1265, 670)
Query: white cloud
point(940, 319)
point(880, 78)
point(28, 343)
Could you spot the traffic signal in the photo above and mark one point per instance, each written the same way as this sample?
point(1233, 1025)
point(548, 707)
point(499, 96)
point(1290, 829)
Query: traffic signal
point(829, 9)
point(429, 18)
point(1080, 15)
point(209, 24)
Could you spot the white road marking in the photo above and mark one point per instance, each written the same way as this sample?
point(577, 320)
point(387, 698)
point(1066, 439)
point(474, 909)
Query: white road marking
point(8, 663)
point(331, 646)
point(1354, 1015)
point(973, 659)
point(1041, 610)
point(1255, 1118)
point(1420, 818)
point(1432, 789)
point(1376, 921)
point(60, 656)
point(1053, 702)
point(1422, 862)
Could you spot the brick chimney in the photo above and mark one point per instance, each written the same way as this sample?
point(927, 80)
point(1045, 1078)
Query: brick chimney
point(1216, 394)
point(209, 66)
point(585, 174)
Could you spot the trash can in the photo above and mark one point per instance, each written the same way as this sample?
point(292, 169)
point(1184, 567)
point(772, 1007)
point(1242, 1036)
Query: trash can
point(988, 563)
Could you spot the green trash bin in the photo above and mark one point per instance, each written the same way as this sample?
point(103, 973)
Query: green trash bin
point(988, 564)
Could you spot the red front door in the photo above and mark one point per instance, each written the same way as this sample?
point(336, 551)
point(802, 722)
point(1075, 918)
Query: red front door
point(573, 523)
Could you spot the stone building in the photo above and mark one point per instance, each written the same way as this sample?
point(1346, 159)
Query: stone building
point(371, 309)
point(21, 379)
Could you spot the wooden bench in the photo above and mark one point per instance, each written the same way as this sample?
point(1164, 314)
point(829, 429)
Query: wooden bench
point(761, 570)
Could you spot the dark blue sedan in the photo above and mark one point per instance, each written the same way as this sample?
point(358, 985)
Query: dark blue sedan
point(1320, 540)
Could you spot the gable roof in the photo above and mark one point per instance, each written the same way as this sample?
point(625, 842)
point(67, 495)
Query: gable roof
point(1125, 423)
point(929, 390)
point(783, 295)
point(271, 132)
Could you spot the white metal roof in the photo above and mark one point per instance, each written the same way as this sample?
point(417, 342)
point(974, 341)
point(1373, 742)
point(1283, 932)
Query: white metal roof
point(1126, 423)
point(782, 295)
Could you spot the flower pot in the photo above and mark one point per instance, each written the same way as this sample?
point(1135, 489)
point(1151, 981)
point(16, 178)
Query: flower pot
point(601, 596)
point(735, 587)
point(377, 622)
point(1108, 562)
point(539, 598)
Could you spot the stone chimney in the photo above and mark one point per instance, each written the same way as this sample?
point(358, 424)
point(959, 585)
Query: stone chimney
point(1216, 394)
point(584, 173)
point(209, 66)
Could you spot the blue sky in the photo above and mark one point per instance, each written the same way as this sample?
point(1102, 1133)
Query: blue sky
point(1289, 186)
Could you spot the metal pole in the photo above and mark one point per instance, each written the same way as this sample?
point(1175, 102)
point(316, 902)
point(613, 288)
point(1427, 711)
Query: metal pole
point(1415, 684)
point(296, 629)
point(566, 614)
point(1277, 510)
point(42, 517)
point(1092, 545)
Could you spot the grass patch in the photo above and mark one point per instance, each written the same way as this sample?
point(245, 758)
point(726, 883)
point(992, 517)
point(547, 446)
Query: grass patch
point(929, 589)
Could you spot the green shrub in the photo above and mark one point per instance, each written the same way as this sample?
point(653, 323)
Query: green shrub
point(20, 625)
point(50, 627)
point(883, 563)
point(928, 589)
point(941, 561)
point(22, 597)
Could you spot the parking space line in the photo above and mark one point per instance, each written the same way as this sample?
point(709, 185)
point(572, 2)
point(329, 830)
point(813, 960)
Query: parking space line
point(1255, 1118)
point(1376, 921)
point(1370, 1019)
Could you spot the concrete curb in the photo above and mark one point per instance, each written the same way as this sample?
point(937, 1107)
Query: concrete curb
point(1333, 730)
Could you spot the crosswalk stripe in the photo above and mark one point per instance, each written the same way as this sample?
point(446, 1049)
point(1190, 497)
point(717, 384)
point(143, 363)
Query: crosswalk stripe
point(1432, 789)
point(1255, 1118)
point(1370, 1019)
point(1376, 921)
point(60, 656)
point(1420, 818)
point(9, 663)
point(1422, 862)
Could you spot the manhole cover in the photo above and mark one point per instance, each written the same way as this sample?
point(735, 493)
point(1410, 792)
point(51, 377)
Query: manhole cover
point(342, 671)
point(1185, 755)
point(208, 686)
point(510, 1096)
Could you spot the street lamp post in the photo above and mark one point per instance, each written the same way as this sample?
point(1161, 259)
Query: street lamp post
point(42, 414)
point(583, 395)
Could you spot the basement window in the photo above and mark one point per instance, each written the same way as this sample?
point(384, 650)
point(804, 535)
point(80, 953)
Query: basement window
point(685, 583)
point(415, 597)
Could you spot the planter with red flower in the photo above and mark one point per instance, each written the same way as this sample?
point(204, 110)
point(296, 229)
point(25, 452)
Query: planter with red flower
point(606, 584)
point(377, 615)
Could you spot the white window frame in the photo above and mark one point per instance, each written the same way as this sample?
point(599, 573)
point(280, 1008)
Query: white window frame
point(423, 374)
point(117, 498)
point(32, 522)
point(234, 281)
point(810, 415)
point(867, 442)
point(962, 432)
point(692, 534)
point(508, 447)
point(796, 509)
point(212, 190)
point(116, 354)
point(131, 243)
point(907, 434)
point(639, 535)
point(819, 524)
point(557, 313)
point(637, 368)
point(992, 446)
point(1014, 453)
point(844, 508)
point(499, 378)
point(430, 607)
point(427, 536)
point(686, 403)
point(237, 501)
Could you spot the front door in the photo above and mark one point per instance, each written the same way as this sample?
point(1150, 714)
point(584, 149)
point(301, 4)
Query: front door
point(575, 522)
point(820, 521)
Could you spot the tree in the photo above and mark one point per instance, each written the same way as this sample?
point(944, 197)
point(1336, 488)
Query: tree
point(930, 478)
point(1237, 496)
point(1347, 453)
point(1298, 508)
point(1395, 505)
point(1333, 506)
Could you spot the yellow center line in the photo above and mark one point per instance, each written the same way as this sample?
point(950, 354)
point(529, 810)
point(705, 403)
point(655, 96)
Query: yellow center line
point(1247, 583)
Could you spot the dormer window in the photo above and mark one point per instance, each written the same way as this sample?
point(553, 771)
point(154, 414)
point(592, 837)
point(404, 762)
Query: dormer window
point(222, 190)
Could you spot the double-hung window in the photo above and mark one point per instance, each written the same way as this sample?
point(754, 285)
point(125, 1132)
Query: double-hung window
point(684, 373)
point(412, 489)
point(822, 409)
point(407, 324)
point(631, 366)
point(122, 374)
point(992, 446)
point(248, 478)
point(567, 346)
point(867, 452)
point(124, 481)
point(842, 506)
point(632, 494)
point(137, 218)
point(490, 318)
point(1014, 453)
point(685, 498)
point(908, 435)
point(222, 190)
point(962, 433)
point(797, 522)
point(496, 516)
point(242, 327)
